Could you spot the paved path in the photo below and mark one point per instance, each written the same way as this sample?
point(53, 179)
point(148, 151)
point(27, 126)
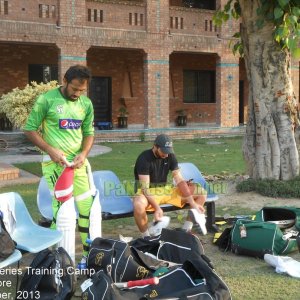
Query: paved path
point(12, 157)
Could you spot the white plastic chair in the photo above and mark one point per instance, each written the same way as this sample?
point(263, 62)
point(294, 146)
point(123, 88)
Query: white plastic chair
point(14, 257)
point(27, 234)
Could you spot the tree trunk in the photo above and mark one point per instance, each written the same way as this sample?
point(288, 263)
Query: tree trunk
point(269, 145)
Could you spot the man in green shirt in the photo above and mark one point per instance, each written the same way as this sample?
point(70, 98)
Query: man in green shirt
point(65, 117)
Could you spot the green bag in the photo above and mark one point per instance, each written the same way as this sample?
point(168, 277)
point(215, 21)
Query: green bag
point(283, 216)
point(258, 238)
point(274, 231)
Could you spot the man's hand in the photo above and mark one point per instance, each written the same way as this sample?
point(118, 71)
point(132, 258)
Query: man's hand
point(158, 214)
point(79, 161)
point(57, 156)
point(198, 207)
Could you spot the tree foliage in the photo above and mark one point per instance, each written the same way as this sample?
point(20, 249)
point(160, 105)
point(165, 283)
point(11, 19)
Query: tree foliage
point(17, 104)
point(284, 14)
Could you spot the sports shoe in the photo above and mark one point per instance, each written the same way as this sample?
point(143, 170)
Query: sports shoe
point(82, 265)
point(187, 226)
point(156, 227)
point(198, 218)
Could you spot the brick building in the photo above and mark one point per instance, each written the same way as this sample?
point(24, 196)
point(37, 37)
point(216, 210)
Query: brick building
point(155, 57)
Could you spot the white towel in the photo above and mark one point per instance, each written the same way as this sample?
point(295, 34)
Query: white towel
point(284, 264)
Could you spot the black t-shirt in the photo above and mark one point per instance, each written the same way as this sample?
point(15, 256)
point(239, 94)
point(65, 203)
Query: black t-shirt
point(156, 168)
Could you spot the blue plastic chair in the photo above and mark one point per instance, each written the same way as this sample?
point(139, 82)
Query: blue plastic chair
point(190, 171)
point(14, 257)
point(113, 197)
point(27, 234)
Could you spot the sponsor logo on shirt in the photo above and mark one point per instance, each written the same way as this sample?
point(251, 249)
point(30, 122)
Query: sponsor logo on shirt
point(69, 124)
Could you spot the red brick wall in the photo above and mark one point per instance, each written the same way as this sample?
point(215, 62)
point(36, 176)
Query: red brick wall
point(115, 63)
point(29, 11)
point(116, 14)
point(14, 60)
point(197, 113)
point(150, 41)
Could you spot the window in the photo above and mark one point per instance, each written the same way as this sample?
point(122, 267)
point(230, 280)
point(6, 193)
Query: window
point(199, 86)
point(94, 15)
point(203, 4)
point(44, 11)
point(3, 7)
point(176, 22)
point(42, 73)
point(47, 11)
point(136, 19)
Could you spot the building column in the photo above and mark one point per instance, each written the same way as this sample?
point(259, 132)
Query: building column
point(227, 91)
point(70, 54)
point(158, 12)
point(156, 89)
point(71, 13)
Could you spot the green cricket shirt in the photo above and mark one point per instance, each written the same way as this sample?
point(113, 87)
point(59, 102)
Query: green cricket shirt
point(64, 123)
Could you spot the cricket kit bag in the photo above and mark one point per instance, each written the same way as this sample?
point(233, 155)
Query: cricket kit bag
point(273, 231)
point(189, 276)
point(125, 262)
point(194, 280)
point(172, 245)
point(51, 275)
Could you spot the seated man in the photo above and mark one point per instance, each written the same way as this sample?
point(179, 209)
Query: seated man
point(151, 170)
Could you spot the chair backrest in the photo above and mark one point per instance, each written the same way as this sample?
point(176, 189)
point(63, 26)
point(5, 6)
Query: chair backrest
point(27, 234)
point(190, 171)
point(113, 196)
point(19, 208)
point(44, 199)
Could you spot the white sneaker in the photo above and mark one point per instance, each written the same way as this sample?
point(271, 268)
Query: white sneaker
point(156, 227)
point(198, 218)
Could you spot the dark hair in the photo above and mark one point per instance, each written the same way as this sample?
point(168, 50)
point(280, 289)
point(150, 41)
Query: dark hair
point(78, 72)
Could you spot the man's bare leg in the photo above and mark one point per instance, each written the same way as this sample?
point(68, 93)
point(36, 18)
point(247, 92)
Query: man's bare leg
point(139, 211)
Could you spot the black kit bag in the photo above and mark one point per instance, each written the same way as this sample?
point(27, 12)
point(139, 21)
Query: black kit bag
point(51, 275)
point(7, 245)
point(126, 263)
point(101, 287)
point(172, 245)
point(194, 280)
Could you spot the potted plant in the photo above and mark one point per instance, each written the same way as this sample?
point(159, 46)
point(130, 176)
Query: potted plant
point(122, 118)
point(181, 119)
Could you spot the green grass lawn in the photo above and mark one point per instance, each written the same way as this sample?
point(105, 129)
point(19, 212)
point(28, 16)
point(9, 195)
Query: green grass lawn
point(248, 278)
point(211, 156)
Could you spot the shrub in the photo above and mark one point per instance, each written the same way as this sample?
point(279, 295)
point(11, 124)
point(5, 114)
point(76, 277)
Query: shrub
point(271, 187)
point(246, 186)
point(17, 104)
